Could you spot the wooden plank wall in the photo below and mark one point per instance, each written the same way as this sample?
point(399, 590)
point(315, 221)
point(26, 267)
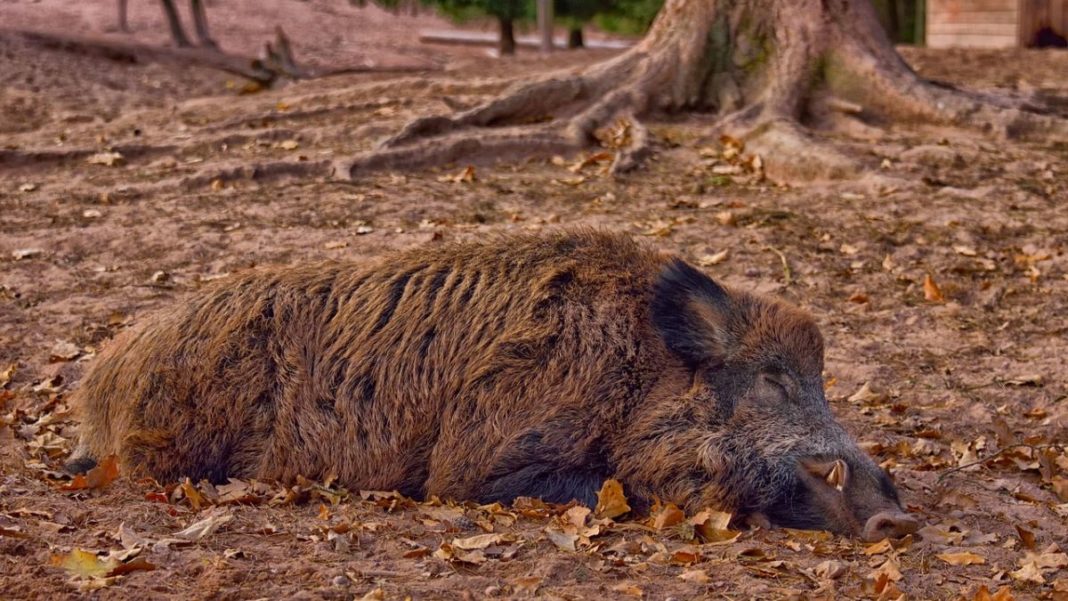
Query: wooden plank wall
point(973, 23)
point(1035, 14)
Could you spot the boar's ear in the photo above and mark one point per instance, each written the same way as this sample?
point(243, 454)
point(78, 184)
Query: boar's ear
point(834, 473)
point(690, 312)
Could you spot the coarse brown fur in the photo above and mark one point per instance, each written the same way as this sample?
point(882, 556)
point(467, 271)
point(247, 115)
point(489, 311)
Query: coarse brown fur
point(528, 365)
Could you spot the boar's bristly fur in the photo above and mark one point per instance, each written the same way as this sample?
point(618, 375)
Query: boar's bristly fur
point(525, 366)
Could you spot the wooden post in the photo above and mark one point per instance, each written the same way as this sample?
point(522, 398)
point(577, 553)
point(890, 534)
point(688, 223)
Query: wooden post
point(545, 24)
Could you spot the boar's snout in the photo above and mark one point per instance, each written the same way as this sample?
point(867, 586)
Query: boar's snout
point(889, 524)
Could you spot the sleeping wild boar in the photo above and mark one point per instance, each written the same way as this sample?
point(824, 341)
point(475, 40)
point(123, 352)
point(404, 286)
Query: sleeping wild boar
point(527, 366)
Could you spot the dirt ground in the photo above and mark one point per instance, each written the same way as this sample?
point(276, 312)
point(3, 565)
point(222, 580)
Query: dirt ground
point(940, 281)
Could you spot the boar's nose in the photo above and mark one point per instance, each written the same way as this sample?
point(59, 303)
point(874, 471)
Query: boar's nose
point(889, 524)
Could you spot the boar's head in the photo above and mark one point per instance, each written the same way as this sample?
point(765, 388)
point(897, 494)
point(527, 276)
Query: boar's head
point(775, 451)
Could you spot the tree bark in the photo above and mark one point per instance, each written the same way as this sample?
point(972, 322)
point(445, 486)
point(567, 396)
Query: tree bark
point(574, 38)
point(200, 23)
point(769, 71)
point(507, 41)
point(124, 21)
point(170, 11)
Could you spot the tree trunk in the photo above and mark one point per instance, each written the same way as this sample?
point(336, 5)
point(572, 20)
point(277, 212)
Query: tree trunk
point(507, 41)
point(200, 22)
point(124, 22)
point(770, 72)
point(175, 23)
point(574, 38)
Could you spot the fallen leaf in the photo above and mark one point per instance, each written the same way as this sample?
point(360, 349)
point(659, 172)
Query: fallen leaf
point(713, 259)
point(28, 187)
point(26, 253)
point(967, 251)
point(931, 291)
point(962, 558)
point(876, 548)
point(712, 526)
point(289, 145)
point(130, 539)
point(865, 395)
point(611, 502)
point(628, 589)
point(466, 175)
point(137, 565)
point(85, 564)
point(668, 515)
point(111, 159)
point(695, 576)
point(480, 541)
point(196, 500)
point(831, 570)
point(6, 374)
point(100, 476)
point(204, 527)
point(562, 540)
point(374, 595)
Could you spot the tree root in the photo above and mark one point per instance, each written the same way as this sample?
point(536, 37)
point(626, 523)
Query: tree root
point(278, 62)
point(769, 70)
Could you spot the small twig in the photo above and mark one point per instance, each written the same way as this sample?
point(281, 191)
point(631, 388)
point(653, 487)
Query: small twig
point(786, 273)
point(995, 455)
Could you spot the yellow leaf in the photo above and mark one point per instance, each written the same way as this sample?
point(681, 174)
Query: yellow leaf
point(611, 502)
point(85, 564)
point(963, 558)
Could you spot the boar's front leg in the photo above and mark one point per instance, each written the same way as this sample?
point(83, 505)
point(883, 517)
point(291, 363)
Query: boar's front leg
point(671, 451)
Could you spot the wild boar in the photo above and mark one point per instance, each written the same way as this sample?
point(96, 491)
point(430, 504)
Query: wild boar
point(524, 366)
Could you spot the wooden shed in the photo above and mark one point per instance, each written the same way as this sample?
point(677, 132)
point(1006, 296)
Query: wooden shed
point(996, 23)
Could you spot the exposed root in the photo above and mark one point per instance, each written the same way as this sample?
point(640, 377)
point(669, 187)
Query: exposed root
point(514, 141)
point(762, 66)
point(277, 64)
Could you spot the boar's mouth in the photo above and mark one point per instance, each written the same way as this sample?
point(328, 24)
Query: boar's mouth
point(853, 499)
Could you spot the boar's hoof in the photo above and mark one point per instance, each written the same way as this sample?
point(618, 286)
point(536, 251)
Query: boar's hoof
point(889, 524)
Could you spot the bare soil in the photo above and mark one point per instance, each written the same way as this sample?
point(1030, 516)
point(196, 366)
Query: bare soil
point(940, 280)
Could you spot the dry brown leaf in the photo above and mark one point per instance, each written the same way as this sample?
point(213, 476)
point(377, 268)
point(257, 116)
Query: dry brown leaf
point(480, 541)
point(866, 395)
point(6, 374)
point(983, 594)
point(562, 540)
point(85, 564)
point(98, 477)
point(713, 259)
point(695, 576)
point(713, 526)
point(137, 565)
point(962, 558)
point(130, 539)
point(668, 515)
point(611, 502)
point(528, 584)
point(464, 176)
point(196, 500)
point(289, 144)
point(1060, 488)
point(111, 159)
point(204, 527)
point(931, 291)
point(876, 548)
point(628, 589)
